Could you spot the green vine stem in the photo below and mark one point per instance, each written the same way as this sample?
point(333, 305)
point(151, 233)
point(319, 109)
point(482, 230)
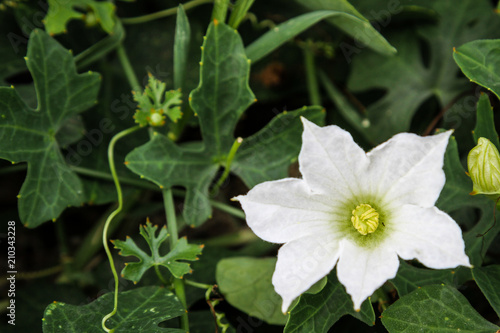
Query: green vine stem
point(168, 201)
point(256, 24)
point(239, 12)
point(227, 167)
point(127, 68)
point(160, 276)
point(111, 161)
point(199, 285)
point(101, 48)
point(228, 209)
point(219, 12)
point(163, 13)
point(92, 242)
point(107, 176)
point(312, 80)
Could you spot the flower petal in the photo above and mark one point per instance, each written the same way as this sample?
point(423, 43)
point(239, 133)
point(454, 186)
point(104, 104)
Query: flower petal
point(409, 169)
point(330, 161)
point(303, 262)
point(429, 235)
point(284, 210)
point(362, 270)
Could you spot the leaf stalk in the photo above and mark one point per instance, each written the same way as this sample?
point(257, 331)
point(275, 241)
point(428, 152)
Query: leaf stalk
point(168, 201)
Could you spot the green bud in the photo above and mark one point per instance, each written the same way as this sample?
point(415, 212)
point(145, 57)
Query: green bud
point(155, 102)
point(484, 168)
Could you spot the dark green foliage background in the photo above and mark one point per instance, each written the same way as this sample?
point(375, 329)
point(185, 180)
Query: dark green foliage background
point(382, 67)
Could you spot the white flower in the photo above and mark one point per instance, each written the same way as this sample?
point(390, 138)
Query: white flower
point(356, 210)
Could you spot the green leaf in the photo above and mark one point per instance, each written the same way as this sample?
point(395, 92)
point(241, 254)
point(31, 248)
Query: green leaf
point(220, 99)
point(455, 195)
point(318, 312)
point(488, 280)
point(291, 28)
point(181, 47)
point(358, 29)
point(479, 60)
point(406, 80)
point(223, 93)
point(30, 135)
point(436, 308)
point(140, 310)
point(410, 278)
point(267, 154)
point(246, 284)
point(485, 124)
point(70, 132)
point(62, 11)
point(182, 251)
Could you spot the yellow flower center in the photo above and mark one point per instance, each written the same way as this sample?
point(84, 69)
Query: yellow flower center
point(365, 219)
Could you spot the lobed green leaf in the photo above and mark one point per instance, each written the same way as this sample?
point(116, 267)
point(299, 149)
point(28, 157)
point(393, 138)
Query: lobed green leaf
point(182, 251)
point(62, 11)
point(406, 80)
point(28, 135)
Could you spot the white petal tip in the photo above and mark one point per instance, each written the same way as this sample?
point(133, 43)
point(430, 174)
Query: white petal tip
point(238, 198)
point(306, 122)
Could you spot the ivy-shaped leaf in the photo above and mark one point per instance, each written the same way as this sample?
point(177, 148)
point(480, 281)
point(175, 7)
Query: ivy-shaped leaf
point(318, 312)
point(30, 135)
point(182, 251)
point(219, 101)
point(409, 82)
point(140, 310)
point(436, 308)
point(62, 11)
